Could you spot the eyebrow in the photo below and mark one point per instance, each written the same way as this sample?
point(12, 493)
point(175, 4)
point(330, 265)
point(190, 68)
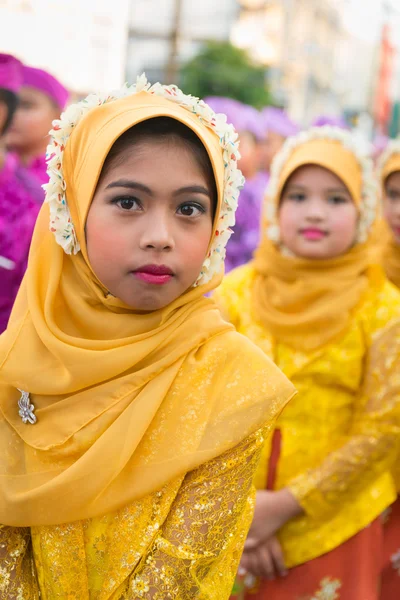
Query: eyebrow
point(135, 185)
point(330, 190)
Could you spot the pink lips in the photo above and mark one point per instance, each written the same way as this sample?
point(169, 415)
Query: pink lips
point(313, 234)
point(154, 274)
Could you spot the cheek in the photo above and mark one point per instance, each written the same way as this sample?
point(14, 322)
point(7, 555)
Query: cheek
point(194, 247)
point(344, 222)
point(387, 209)
point(104, 242)
point(289, 217)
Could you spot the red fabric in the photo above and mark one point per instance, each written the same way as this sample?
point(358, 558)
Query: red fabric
point(391, 554)
point(350, 572)
point(274, 458)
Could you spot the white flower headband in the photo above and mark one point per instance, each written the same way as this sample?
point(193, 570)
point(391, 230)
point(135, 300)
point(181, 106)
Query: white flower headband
point(369, 200)
point(60, 218)
point(392, 148)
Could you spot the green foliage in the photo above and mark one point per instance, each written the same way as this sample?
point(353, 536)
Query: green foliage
point(221, 69)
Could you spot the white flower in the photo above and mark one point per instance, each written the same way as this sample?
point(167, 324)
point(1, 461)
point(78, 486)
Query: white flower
point(60, 218)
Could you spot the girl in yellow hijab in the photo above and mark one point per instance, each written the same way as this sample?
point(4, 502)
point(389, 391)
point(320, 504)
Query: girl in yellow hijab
point(389, 173)
point(131, 414)
point(313, 300)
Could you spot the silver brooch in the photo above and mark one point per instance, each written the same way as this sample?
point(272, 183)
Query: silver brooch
point(26, 409)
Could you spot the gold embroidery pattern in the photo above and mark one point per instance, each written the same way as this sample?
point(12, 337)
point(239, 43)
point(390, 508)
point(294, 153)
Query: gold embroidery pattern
point(341, 433)
point(182, 542)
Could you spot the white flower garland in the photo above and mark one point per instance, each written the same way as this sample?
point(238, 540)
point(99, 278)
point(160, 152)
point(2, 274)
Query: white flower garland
point(392, 148)
point(60, 218)
point(369, 199)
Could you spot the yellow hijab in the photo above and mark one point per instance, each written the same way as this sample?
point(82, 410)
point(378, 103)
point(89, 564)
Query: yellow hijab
point(124, 402)
point(389, 246)
point(307, 303)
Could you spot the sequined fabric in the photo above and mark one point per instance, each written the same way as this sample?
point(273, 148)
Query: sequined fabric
point(183, 542)
point(337, 443)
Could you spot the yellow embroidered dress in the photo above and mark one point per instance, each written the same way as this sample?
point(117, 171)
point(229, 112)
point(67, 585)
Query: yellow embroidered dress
point(341, 494)
point(128, 441)
point(317, 321)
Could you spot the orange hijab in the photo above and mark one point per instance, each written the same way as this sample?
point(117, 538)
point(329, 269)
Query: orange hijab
point(124, 402)
point(390, 248)
point(307, 303)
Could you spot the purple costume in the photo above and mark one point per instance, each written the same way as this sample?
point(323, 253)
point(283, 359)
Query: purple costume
point(20, 200)
point(246, 232)
point(277, 120)
point(324, 120)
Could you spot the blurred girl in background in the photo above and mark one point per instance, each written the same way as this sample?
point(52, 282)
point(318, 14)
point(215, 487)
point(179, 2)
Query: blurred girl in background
point(42, 98)
point(313, 300)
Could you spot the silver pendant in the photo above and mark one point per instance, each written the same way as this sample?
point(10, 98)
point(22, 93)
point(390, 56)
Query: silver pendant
point(26, 408)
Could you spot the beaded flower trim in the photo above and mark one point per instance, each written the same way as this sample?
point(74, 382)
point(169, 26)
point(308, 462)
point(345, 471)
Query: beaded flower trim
point(392, 148)
point(369, 200)
point(60, 218)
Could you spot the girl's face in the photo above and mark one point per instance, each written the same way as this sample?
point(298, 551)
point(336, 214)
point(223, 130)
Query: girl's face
point(32, 121)
point(150, 224)
point(391, 203)
point(317, 216)
point(271, 147)
point(248, 162)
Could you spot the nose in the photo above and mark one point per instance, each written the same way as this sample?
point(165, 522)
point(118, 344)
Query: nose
point(157, 233)
point(316, 209)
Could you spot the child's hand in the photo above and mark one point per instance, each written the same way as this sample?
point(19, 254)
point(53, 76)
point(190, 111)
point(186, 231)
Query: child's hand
point(273, 510)
point(265, 561)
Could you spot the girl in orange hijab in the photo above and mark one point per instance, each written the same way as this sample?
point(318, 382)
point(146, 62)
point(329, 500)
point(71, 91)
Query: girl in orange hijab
point(313, 300)
point(131, 414)
point(389, 172)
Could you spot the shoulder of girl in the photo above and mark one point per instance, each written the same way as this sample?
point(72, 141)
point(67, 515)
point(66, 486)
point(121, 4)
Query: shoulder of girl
point(382, 306)
point(241, 354)
point(229, 296)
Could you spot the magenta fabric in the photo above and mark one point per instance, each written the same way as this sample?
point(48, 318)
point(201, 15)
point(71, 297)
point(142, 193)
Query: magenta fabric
point(10, 73)
point(20, 201)
point(46, 83)
point(278, 121)
point(38, 169)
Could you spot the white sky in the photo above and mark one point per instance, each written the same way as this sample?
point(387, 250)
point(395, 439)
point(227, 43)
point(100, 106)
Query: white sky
point(364, 18)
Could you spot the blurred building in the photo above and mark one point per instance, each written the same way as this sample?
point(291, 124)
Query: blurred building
point(298, 40)
point(83, 42)
point(165, 33)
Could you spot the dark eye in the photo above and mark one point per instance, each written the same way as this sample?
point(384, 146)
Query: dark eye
point(337, 200)
point(191, 209)
point(128, 203)
point(297, 197)
point(394, 195)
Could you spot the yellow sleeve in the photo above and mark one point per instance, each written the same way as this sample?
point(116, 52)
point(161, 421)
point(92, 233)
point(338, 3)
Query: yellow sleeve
point(373, 443)
point(17, 578)
point(229, 295)
point(197, 551)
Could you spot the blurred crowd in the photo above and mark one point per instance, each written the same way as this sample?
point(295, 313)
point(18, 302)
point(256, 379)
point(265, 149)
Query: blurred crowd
point(31, 98)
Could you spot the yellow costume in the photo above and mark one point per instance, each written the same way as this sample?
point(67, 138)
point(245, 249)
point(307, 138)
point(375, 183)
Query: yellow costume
point(390, 163)
point(129, 464)
point(317, 320)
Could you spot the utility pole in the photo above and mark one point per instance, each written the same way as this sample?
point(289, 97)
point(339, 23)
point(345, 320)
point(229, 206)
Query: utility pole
point(173, 60)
